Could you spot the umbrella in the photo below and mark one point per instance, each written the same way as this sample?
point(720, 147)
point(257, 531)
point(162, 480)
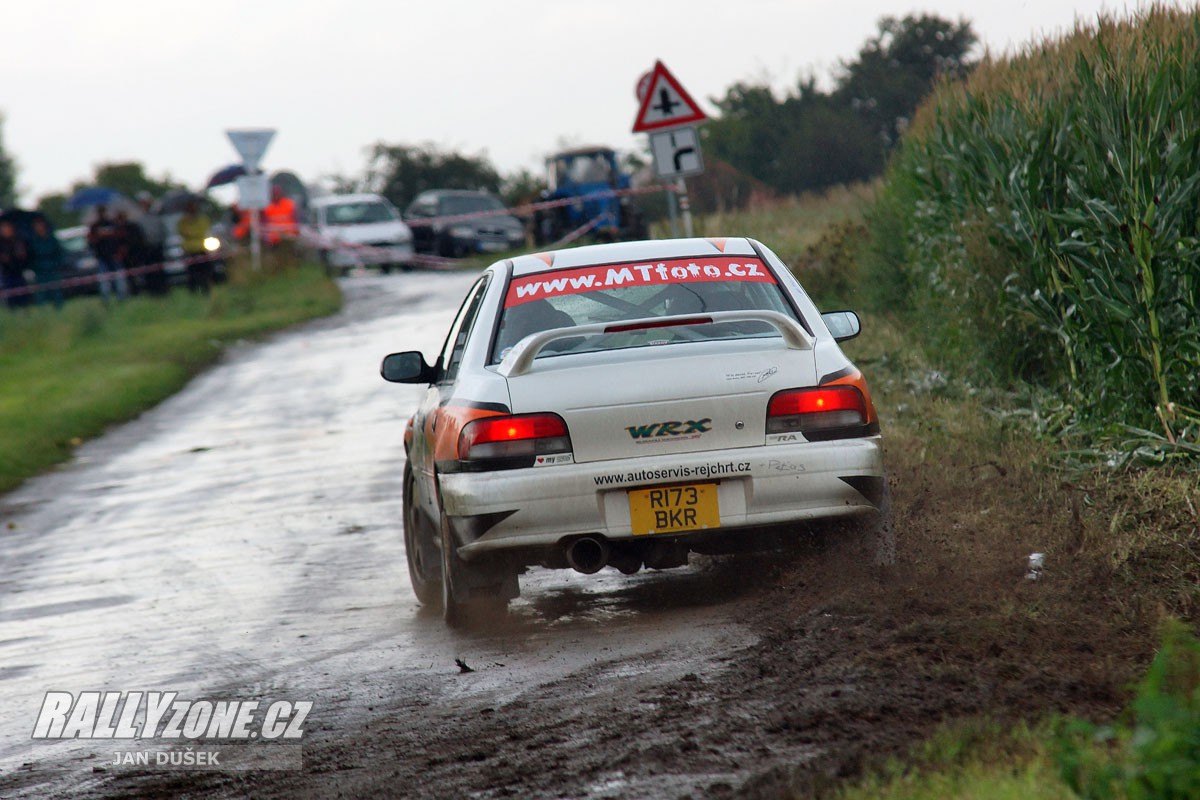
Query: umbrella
point(226, 175)
point(93, 196)
point(175, 202)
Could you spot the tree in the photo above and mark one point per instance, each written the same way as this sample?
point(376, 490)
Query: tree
point(896, 69)
point(811, 139)
point(401, 172)
point(521, 187)
point(54, 206)
point(8, 174)
point(129, 178)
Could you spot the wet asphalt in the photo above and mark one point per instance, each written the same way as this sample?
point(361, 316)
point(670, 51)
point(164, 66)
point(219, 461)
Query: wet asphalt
point(243, 539)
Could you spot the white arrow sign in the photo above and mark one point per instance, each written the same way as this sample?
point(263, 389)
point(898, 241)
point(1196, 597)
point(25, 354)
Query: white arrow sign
point(676, 152)
point(251, 144)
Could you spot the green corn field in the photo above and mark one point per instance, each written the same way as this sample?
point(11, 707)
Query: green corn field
point(1041, 221)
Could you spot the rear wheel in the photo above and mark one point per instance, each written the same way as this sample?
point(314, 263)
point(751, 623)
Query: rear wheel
point(420, 547)
point(881, 532)
point(872, 538)
point(467, 596)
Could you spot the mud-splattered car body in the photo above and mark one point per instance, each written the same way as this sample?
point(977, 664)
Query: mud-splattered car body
point(622, 405)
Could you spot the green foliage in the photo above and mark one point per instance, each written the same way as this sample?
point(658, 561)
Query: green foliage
point(54, 206)
point(400, 172)
point(8, 174)
point(127, 177)
point(896, 69)
point(1047, 211)
point(521, 187)
point(811, 140)
point(1155, 753)
point(975, 759)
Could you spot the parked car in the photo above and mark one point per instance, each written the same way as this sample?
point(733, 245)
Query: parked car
point(351, 230)
point(80, 261)
point(486, 228)
point(625, 404)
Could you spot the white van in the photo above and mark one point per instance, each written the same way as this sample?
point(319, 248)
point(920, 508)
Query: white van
point(358, 230)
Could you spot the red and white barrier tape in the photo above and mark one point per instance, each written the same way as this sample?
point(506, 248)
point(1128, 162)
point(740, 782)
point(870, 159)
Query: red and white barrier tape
point(529, 208)
point(432, 261)
point(97, 277)
point(417, 259)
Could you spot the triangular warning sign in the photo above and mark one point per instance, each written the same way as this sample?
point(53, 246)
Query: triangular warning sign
point(665, 103)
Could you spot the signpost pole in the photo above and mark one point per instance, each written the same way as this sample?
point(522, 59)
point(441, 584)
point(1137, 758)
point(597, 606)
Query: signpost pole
point(255, 242)
point(673, 214)
point(685, 207)
point(668, 113)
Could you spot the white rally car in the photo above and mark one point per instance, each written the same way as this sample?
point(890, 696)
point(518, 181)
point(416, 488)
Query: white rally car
point(623, 404)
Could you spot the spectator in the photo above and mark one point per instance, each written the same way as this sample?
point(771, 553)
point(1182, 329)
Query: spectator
point(131, 252)
point(240, 219)
point(13, 260)
point(193, 230)
point(104, 238)
point(280, 217)
point(154, 238)
point(47, 258)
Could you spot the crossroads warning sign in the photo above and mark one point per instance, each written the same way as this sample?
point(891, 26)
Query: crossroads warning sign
point(665, 103)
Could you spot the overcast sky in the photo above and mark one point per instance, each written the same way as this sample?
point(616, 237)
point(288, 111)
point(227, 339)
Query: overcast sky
point(160, 82)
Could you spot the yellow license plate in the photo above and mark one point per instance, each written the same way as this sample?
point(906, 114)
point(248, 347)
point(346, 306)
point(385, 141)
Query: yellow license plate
point(674, 509)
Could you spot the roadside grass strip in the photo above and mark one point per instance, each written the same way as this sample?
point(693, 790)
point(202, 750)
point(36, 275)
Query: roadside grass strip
point(67, 375)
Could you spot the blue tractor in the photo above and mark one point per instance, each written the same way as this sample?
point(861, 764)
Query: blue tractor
point(587, 177)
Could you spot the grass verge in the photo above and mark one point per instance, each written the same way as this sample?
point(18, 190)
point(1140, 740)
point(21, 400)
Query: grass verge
point(961, 663)
point(69, 374)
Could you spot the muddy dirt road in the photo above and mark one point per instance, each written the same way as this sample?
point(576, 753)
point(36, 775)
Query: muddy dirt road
point(242, 541)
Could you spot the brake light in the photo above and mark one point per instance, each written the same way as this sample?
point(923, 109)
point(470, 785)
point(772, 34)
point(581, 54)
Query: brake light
point(818, 410)
point(516, 439)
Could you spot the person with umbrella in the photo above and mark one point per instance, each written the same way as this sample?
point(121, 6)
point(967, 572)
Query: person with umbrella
point(104, 238)
point(13, 259)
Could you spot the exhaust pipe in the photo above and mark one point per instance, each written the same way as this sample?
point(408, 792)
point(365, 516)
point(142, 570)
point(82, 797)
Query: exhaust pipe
point(587, 554)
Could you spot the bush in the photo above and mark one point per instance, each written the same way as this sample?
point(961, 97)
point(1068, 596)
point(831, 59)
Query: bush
point(1155, 755)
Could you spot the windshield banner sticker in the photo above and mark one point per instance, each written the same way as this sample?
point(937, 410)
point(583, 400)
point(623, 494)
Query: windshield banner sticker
point(660, 273)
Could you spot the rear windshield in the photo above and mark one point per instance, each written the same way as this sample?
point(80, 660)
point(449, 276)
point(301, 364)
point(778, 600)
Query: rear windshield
point(469, 204)
point(358, 213)
point(621, 292)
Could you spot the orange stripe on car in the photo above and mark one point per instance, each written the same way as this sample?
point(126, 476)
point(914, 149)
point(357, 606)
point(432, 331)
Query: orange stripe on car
point(446, 425)
point(857, 380)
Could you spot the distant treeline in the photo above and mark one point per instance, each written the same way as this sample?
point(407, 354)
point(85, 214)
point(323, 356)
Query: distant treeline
point(812, 139)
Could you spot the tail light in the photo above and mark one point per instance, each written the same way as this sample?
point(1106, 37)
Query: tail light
point(512, 441)
point(832, 412)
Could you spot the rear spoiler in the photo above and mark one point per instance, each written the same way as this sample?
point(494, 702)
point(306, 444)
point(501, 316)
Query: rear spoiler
point(520, 359)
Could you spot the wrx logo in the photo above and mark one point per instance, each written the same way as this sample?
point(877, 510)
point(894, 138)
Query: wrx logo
point(672, 428)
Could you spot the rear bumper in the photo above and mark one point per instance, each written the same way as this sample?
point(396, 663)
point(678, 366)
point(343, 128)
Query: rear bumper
point(756, 486)
point(366, 255)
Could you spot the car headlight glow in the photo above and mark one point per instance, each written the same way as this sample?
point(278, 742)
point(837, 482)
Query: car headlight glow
point(212, 244)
